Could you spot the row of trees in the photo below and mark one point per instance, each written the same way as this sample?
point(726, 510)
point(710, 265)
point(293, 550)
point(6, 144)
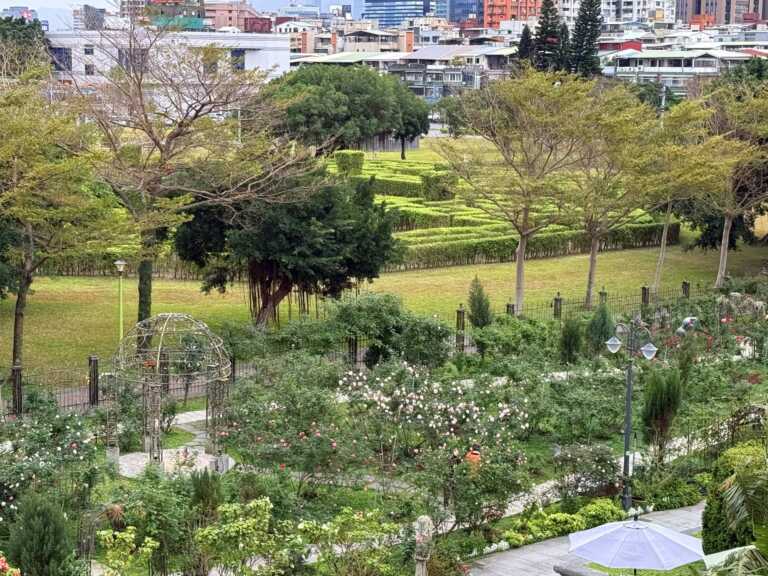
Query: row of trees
point(552, 48)
point(558, 149)
point(182, 143)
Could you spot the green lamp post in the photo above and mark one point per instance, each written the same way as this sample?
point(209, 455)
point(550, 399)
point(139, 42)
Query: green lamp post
point(120, 265)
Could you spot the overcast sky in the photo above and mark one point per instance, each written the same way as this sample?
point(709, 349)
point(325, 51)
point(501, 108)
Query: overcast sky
point(58, 12)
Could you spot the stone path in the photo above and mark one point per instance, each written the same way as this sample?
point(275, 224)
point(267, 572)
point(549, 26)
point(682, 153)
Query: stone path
point(540, 558)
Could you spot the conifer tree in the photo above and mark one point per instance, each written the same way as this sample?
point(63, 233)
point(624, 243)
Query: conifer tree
point(525, 47)
point(480, 314)
point(547, 37)
point(564, 49)
point(584, 60)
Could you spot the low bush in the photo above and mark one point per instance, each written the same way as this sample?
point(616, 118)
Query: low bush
point(667, 493)
point(539, 525)
point(600, 511)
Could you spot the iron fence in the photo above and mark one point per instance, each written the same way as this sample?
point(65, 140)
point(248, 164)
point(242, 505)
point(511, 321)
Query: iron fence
point(77, 388)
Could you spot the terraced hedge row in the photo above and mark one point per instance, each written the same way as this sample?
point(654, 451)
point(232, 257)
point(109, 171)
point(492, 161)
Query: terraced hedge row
point(501, 248)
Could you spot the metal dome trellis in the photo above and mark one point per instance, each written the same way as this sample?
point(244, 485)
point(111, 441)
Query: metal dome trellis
point(167, 357)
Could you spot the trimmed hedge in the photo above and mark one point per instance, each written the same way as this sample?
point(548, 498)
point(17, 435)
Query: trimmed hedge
point(349, 162)
point(543, 245)
point(392, 186)
point(438, 185)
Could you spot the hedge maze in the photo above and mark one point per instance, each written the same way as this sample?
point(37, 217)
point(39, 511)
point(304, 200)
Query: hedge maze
point(440, 226)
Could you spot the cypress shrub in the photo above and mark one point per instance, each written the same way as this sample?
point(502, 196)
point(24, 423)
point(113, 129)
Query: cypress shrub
point(480, 314)
point(599, 329)
point(570, 341)
point(39, 544)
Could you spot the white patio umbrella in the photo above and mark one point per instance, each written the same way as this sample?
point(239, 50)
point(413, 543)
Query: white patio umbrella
point(636, 545)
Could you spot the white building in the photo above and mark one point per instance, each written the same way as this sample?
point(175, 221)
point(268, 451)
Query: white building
point(86, 54)
point(673, 68)
point(617, 11)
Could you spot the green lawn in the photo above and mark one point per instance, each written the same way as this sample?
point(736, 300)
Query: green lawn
point(69, 318)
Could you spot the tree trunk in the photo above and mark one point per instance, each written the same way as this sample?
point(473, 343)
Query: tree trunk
point(662, 249)
point(25, 282)
point(145, 271)
point(724, 243)
point(520, 274)
point(593, 249)
point(402, 148)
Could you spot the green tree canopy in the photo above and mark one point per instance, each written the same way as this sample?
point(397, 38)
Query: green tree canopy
point(526, 47)
point(338, 107)
point(413, 116)
point(22, 44)
point(339, 235)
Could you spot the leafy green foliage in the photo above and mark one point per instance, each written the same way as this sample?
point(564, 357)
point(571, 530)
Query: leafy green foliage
point(349, 162)
point(570, 341)
point(323, 245)
point(122, 552)
point(352, 543)
point(480, 314)
point(663, 395)
point(244, 532)
point(513, 336)
point(39, 543)
point(287, 417)
point(341, 106)
point(585, 470)
point(600, 329)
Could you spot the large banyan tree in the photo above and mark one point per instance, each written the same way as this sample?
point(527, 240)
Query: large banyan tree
point(323, 245)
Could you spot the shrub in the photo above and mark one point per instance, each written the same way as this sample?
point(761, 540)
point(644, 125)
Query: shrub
point(480, 314)
point(561, 523)
point(514, 539)
point(717, 534)
point(570, 341)
point(585, 470)
point(349, 162)
point(600, 511)
point(424, 341)
point(39, 543)
point(668, 493)
point(662, 397)
point(512, 336)
point(599, 329)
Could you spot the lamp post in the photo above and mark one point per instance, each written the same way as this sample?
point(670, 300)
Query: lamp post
point(632, 335)
point(120, 265)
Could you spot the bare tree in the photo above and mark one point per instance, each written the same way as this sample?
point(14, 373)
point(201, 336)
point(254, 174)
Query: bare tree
point(181, 126)
point(528, 131)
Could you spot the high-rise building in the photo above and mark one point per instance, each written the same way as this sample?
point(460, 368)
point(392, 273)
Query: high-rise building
point(179, 14)
point(718, 12)
point(132, 8)
point(87, 17)
point(391, 13)
point(497, 11)
point(17, 12)
point(463, 10)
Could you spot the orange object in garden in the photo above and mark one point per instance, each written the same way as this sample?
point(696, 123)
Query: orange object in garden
point(473, 457)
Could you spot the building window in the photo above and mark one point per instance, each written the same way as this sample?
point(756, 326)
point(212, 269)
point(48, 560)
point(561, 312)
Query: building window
point(88, 50)
point(62, 59)
point(238, 59)
point(90, 70)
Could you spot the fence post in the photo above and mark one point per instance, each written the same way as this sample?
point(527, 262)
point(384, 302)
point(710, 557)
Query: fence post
point(233, 368)
point(603, 296)
point(557, 305)
point(686, 289)
point(460, 326)
point(645, 294)
point(93, 380)
point(510, 309)
point(16, 390)
point(352, 350)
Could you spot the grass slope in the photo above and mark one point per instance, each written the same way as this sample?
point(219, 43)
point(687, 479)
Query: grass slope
point(69, 318)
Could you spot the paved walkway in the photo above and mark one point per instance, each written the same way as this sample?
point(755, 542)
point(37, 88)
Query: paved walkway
point(540, 558)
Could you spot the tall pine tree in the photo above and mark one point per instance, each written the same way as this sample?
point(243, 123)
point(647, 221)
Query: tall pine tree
point(525, 47)
point(584, 60)
point(547, 37)
point(564, 49)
